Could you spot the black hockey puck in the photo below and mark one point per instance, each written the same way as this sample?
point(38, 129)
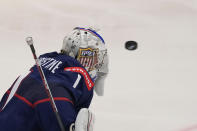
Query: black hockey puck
point(131, 45)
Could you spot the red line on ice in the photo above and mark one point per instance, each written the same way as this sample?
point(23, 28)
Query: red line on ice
point(191, 128)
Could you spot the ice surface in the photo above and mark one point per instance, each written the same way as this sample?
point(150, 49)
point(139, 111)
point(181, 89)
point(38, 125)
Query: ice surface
point(150, 89)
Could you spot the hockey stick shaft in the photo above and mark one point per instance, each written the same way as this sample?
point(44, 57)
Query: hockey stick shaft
point(29, 41)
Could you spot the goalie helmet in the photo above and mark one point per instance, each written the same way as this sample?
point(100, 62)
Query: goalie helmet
point(88, 47)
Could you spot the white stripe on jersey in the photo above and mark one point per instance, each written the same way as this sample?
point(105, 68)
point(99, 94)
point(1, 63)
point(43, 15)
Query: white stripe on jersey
point(15, 87)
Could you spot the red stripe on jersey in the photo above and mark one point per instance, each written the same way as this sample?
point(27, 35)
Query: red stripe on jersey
point(82, 71)
point(22, 98)
point(39, 101)
point(55, 98)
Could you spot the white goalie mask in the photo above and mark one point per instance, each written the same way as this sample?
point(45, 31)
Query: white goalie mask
point(88, 47)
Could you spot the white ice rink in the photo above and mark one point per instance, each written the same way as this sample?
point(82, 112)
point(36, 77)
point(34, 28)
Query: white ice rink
point(151, 89)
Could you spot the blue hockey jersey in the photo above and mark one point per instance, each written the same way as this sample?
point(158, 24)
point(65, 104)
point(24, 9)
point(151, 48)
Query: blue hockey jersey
point(26, 107)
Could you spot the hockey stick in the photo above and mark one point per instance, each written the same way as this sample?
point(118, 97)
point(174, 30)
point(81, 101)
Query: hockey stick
point(29, 41)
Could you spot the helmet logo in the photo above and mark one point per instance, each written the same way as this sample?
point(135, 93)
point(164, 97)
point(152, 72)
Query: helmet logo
point(88, 58)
